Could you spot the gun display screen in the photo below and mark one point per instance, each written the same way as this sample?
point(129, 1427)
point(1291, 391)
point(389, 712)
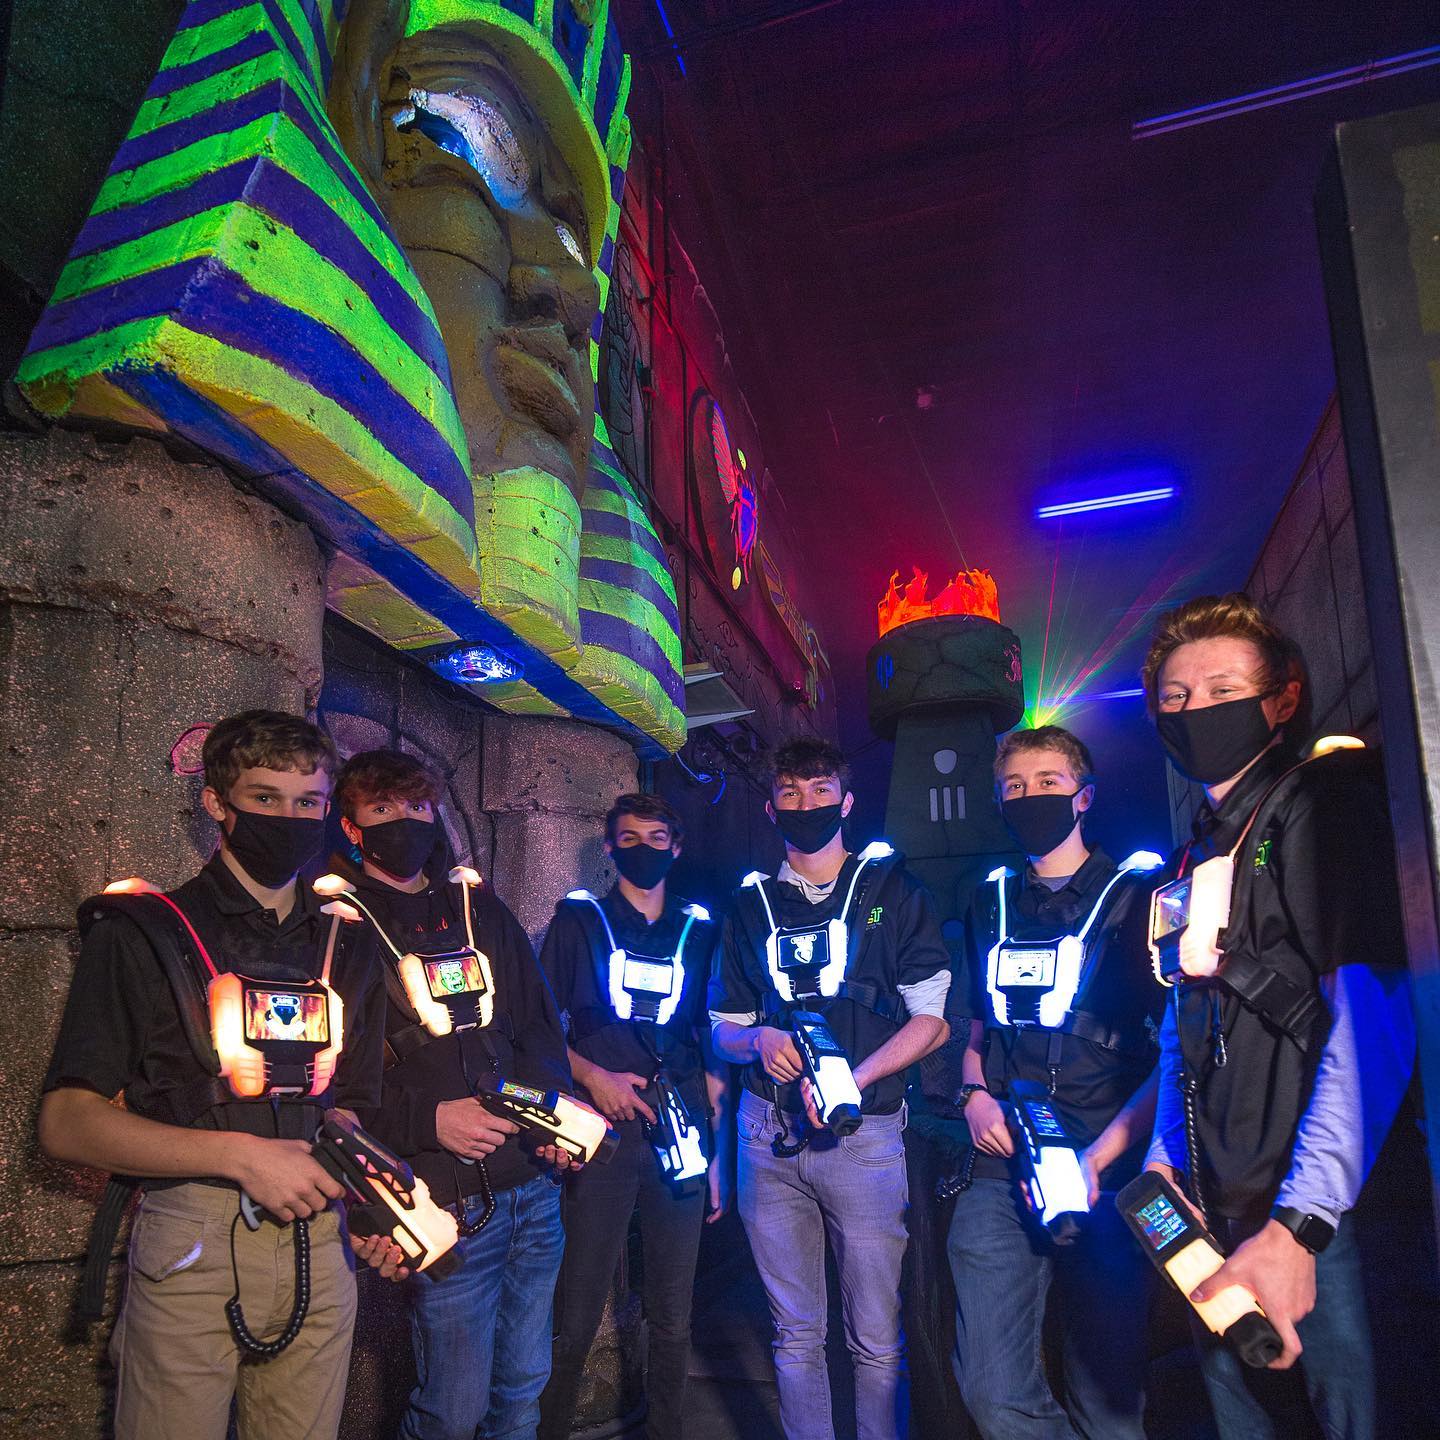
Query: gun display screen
point(526, 1094)
point(1033, 966)
point(651, 976)
point(823, 1043)
point(1172, 909)
point(286, 1015)
point(1160, 1222)
point(457, 973)
point(803, 949)
point(1047, 1127)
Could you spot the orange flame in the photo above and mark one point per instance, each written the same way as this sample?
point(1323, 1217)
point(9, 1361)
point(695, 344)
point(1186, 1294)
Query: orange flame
point(971, 592)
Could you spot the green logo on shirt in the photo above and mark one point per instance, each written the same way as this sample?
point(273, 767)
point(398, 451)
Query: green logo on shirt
point(1262, 855)
point(875, 917)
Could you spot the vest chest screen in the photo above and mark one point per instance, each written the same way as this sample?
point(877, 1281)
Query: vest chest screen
point(648, 974)
point(803, 949)
point(457, 973)
point(286, 1015)
point(1026, 965)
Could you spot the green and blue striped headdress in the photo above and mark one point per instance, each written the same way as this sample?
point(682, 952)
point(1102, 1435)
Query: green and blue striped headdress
point(237, 284)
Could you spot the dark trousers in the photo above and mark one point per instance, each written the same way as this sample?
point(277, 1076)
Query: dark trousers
point(1336, 1364)
point(598, 1205)
point(1004, 1262)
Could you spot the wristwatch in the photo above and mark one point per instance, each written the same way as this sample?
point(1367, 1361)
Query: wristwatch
point(963, 1094)
point(1310, 1230)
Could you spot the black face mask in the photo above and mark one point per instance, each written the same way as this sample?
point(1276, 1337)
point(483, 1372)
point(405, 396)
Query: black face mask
point(809, 830)
point(1039, 822)
point(1212, 744)
point(273, 848)
point(643, 866)
point(398, 847)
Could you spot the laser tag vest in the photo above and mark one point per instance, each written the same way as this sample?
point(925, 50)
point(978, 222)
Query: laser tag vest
point(266, 1037)
point(639, 986)
point(253, 1038)
point(1043, 983)
point(435, 993)
point(807, 964)
point(1215, 896)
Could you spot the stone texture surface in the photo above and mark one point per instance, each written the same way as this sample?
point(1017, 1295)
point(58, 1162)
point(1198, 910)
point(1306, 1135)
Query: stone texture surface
point(139, 595)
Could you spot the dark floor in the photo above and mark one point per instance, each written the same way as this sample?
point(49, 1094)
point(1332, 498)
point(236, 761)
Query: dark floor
point(732, 1389)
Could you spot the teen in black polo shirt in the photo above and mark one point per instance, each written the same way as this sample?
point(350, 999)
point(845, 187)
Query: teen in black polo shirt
point(482, 1334)
point(1099, 1064)
point(267, 786)
point(616, 1061)
point(798, 1183)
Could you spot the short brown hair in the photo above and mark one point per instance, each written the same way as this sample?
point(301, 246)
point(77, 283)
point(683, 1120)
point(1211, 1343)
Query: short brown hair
point(272, 739)
point(644, 807)
point(1210, 616)
point(1047, 737)
point(384, 775)
point(808, 758)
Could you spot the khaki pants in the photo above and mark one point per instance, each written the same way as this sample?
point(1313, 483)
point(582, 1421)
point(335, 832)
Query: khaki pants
point(178, 1364)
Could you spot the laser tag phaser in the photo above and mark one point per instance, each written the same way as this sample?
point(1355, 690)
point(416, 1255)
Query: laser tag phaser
point(827, 1067)
point(450, 990)
point(550, 1118)
point(1185, 1252)
point(385, 1198)
point(1057, 1180)
point(676, 1138)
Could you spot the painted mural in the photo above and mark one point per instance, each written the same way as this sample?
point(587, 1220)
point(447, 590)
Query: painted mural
point(360, 252)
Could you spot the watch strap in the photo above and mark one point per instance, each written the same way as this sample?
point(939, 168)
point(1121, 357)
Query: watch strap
point(1311, 1231)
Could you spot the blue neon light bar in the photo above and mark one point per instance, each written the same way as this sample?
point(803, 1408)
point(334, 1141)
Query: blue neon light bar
point(669, 30)
point(1105, 502)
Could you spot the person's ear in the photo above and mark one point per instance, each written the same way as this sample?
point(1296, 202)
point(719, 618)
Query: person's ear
point(214, 805)
point(1285, 704)
point(770, 810)
point(847, 804)
point(675, 849)
point(1085, 799)
point(351, 830)
point(609, 846)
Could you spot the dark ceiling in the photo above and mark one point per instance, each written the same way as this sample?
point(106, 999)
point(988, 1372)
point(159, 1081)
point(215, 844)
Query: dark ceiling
point(956, 287)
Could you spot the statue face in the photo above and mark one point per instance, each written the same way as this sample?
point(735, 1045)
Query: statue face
point(490, 216)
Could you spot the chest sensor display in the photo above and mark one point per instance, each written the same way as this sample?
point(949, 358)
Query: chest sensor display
point(1036, 982)
point(1186, 1254)
point(1188, 919)
point(803, 949)
point(275, 1038)
point(647, 974)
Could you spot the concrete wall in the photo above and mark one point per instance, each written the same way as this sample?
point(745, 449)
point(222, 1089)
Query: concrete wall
point(188, 601)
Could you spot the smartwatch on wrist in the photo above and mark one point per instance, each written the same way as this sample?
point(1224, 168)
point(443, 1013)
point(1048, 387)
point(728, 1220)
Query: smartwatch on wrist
point(1310, 1230)
point(963, 1094)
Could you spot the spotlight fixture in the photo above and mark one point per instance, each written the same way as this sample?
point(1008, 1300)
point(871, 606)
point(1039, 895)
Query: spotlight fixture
point(1105, 502)
point(477, 665)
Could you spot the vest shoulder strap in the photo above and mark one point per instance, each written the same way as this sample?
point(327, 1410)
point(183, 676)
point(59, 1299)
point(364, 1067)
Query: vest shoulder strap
point(170, 944)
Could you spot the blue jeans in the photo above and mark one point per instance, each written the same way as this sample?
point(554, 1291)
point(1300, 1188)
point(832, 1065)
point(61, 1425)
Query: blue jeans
point(1337, 1366)
point(855, 1192)
point(1004, 1262)
point(482, 1335)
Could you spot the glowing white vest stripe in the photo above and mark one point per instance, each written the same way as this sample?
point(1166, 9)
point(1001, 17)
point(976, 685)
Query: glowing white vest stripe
point(622, 1001)
point(1051, 967)
point(832, 974)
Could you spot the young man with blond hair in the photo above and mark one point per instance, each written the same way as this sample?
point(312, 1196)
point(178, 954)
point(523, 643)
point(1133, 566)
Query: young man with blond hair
point(1096, 1061)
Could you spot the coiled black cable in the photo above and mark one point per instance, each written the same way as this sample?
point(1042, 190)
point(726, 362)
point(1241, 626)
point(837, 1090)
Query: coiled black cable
point(256, 1349)
point(467, 1228)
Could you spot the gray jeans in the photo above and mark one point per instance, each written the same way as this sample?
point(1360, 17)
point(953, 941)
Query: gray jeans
point(853, 1191)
